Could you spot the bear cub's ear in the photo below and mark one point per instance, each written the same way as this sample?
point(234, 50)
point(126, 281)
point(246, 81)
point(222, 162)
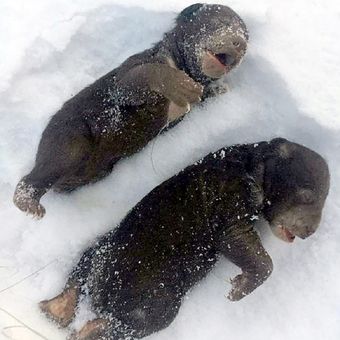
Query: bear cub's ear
point(283, 147)
point(189, 12)
point(286, 149)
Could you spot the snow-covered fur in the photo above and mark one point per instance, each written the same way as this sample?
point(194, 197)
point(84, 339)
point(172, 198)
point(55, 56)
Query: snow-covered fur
point(137, 275)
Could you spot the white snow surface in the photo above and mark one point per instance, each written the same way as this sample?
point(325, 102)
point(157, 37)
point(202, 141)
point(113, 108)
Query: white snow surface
point(288, 85)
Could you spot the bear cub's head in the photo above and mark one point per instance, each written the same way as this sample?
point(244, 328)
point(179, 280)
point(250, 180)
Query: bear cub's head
point(296, 184)
point(211, 38)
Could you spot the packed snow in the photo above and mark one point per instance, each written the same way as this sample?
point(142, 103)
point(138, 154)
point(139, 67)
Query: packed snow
point(288, 85)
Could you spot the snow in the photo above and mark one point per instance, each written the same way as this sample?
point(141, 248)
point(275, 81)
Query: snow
point(288, 85)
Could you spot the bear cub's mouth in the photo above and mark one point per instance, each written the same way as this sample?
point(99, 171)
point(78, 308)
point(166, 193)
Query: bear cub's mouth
point(289, 236)
point(225, 59)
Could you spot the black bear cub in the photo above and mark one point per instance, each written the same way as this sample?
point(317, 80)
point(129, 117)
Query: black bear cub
point(137, 274)
point(121, 112)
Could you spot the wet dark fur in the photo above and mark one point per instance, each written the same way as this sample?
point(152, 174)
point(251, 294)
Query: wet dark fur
point(115, 116)
point(137, 274)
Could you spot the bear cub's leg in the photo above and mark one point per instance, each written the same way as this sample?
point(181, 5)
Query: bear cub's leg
point(62, 308)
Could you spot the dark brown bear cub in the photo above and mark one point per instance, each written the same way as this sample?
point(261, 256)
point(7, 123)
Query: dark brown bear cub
point(122, 111)
point(137, 274)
